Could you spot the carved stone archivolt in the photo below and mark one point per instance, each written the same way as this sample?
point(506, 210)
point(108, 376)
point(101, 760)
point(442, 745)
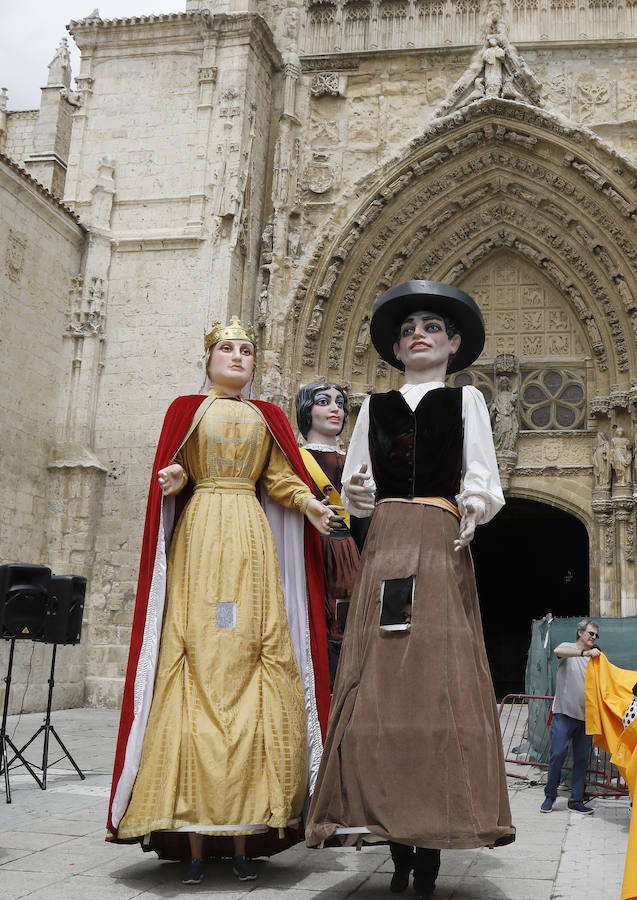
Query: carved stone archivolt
point(497, 184)
point(495, 175)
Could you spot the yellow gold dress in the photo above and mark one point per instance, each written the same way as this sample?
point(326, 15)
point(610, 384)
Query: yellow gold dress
point(225, 745)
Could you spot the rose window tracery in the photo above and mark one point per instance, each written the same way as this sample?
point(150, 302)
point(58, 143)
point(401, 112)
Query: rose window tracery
point(481, 380)
point(553, 399)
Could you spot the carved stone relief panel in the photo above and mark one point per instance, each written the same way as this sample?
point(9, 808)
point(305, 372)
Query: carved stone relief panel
point(558, 91)
point(627, 96)
point(595, 99)
point(325, 83)
point(363, 120)
point(319, 174)
point(324, 132)
point(524, 313)
point(15, 253)
point(536, 450)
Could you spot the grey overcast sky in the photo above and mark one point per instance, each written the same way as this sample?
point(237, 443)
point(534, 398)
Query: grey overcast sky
point(30, 31)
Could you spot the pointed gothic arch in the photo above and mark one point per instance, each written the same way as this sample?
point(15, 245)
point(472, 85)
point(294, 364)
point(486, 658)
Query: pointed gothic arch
point(539, 550)
point(498, 178)
point(497, 174)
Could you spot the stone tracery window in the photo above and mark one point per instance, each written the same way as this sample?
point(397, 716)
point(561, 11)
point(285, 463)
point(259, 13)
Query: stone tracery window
point(525, 15)
point(356, 17)
point(393, 16)
point(481, 380)
point(602, 17)
point(467, 17)
point(321, 27)
point(552, 399)
point(564, 18)
point(631, 16)
point(358, 25)
point(430, 22)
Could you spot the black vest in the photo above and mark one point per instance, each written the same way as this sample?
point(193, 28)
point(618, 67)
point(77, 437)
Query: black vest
point(419, 453)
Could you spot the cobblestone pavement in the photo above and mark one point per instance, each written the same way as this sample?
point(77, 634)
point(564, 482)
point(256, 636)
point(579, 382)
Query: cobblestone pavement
point(52, 844)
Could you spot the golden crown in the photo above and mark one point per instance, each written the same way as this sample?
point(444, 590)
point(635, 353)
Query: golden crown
point(235, 331)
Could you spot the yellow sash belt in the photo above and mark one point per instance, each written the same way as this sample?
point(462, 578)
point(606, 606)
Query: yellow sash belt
point(226, 486)
point(440, 502)
point(323, 483)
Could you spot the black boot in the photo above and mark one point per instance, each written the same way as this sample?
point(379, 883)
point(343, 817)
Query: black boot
point(426, 868)
point(403, 857)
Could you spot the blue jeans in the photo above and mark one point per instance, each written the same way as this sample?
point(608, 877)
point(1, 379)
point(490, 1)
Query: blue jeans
point(565, 730)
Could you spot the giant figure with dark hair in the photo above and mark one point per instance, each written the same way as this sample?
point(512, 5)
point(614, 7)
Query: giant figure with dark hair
point(321, 413)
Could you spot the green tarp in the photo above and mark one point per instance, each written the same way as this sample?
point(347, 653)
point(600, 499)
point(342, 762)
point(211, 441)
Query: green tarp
point(618, 640)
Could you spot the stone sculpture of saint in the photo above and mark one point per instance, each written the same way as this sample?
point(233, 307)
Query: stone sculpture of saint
point(504, 417)
point(493, 55)
point(621, 457)
point(601, 461)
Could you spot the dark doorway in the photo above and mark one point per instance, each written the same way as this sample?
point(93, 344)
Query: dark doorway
point(531, 559)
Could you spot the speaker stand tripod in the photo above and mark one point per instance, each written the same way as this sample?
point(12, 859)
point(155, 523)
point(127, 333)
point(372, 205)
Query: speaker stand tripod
point(5, 740)
point(46, 727)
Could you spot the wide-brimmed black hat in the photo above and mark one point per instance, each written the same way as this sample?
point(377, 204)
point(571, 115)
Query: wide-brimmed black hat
point(392, 308)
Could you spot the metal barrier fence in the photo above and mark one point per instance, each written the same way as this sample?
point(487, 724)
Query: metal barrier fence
point(526, 739)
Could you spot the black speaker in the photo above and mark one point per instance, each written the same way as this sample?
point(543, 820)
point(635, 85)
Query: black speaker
point(24, 600)
point(66, 607)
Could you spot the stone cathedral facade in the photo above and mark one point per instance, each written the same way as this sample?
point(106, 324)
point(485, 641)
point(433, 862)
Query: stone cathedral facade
point(288, 160)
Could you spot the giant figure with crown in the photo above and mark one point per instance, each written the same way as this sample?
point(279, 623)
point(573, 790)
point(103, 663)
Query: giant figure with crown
point(227, 688)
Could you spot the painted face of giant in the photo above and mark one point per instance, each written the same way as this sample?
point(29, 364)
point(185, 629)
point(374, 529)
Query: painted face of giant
point(328, 412)
point(424, 342)
point(231, 364)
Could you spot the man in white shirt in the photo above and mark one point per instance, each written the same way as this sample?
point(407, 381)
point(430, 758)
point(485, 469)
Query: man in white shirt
point(413, 754)
point(568, 724)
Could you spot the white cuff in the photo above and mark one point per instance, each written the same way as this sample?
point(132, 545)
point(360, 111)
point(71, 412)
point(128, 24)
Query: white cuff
point(479, 502)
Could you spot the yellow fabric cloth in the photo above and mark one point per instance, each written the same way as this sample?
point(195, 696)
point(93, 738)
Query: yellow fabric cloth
point(321, 480)
point(609, 691)
point(439, 502)
point(225, 745)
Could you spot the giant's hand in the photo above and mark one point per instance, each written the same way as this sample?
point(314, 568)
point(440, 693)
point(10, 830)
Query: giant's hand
point(172, 479)
point(467, 526)
point(319, 515)
point(360, 494)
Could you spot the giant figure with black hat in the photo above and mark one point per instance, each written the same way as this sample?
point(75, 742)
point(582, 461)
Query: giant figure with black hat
point(413, 754)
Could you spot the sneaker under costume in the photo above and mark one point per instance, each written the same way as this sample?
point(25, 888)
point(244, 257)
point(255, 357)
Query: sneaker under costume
point(227, 689)
point(413, 753)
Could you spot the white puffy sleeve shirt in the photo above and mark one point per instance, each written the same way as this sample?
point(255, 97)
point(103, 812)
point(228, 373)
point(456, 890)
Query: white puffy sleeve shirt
point(480, 477)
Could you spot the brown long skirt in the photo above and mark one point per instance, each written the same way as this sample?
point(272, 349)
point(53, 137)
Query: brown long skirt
point(413, 751)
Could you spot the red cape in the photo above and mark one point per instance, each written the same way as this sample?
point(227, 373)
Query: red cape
point(176, 423)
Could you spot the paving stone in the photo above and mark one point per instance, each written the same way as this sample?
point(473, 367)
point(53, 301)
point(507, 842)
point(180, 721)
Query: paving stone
point(54, 848)
point(30, 840)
